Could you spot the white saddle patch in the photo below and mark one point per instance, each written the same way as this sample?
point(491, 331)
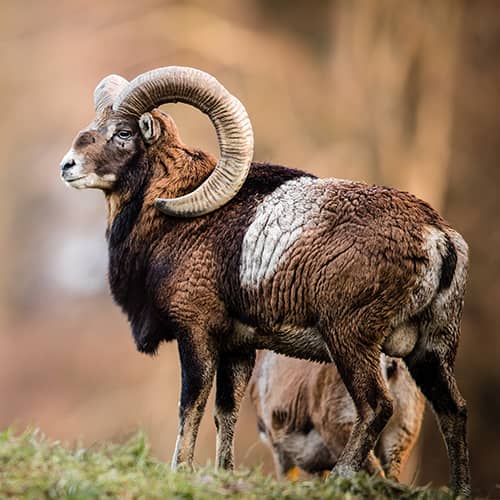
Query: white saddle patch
point(279, 221)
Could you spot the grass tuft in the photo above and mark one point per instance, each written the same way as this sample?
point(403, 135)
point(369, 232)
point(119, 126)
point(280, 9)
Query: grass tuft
point(33, 467)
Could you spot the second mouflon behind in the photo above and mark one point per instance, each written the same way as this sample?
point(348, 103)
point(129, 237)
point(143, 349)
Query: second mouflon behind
point(305, 415)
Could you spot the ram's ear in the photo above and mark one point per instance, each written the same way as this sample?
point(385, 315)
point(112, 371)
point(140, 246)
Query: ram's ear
point(150, 128)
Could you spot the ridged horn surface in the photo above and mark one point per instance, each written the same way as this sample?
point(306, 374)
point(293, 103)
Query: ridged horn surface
point(229, 117)
point(107, 91)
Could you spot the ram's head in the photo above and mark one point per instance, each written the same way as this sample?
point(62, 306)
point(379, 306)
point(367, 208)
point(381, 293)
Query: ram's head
point(127, 130)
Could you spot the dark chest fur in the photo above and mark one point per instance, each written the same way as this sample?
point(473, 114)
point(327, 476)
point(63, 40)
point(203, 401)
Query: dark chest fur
point(130, 247)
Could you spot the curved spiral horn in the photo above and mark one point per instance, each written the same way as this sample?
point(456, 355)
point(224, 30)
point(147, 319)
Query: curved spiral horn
point(231, 122)
point(107, 91)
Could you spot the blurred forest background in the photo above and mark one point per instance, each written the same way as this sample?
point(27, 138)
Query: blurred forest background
point(405, 94)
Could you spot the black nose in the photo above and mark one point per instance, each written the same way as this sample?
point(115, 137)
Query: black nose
point(68, 165)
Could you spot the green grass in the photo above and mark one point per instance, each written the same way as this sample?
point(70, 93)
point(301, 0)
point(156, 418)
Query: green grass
point(33, 467)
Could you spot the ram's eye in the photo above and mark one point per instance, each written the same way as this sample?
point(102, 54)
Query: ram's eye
point(124, 134)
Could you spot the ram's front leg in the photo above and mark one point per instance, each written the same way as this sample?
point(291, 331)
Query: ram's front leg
point(198, 363)
point(233, 373)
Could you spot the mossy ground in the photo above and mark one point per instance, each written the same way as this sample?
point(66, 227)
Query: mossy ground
point(33, 467)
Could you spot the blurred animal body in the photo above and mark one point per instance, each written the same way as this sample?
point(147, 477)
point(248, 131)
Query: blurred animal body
point(305, 414)
point(231, 256)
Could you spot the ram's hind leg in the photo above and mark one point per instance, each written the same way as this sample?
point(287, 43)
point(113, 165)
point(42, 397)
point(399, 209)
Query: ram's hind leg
point(233, 373)
point(432, 369)
point(361, 373)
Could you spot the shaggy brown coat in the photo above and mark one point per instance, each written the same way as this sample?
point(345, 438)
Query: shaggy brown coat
point(370, 268)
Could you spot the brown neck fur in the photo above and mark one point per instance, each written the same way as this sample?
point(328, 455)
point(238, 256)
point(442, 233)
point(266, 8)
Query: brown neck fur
point(136, 227)
point(174, 169)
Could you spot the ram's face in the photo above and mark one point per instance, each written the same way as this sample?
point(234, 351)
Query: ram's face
point(100, 155)
point(104, 155)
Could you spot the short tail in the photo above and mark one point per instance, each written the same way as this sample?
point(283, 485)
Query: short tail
point(448, 265)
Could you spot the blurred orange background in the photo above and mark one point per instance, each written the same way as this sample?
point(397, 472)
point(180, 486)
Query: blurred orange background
point(402, 94)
